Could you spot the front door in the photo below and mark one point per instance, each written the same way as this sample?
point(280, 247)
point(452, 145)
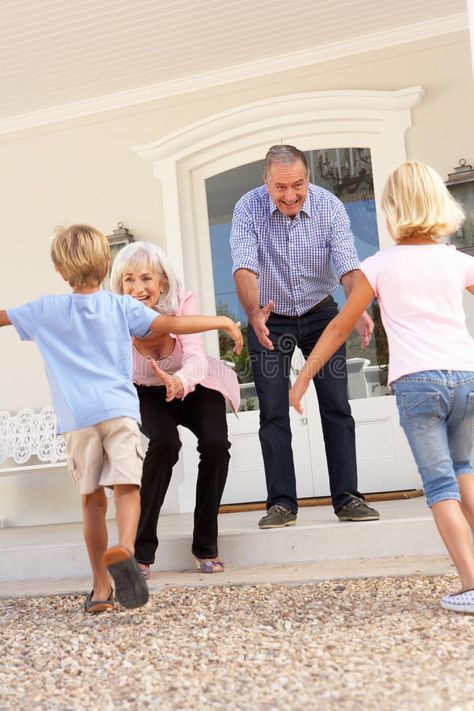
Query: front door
point(384, 459)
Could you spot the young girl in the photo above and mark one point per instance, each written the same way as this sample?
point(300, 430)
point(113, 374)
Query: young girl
point(419, 284)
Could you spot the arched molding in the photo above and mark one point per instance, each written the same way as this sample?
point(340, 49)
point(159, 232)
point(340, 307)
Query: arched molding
point(183, 159)
point(279, 112)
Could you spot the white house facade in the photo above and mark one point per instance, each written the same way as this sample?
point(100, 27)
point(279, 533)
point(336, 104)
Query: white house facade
point(154, 162)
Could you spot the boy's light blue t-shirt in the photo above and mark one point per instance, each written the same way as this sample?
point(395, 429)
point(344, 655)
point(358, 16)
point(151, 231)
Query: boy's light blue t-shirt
point(85, 342)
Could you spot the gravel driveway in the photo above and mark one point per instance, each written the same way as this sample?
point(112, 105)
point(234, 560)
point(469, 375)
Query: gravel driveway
point(380, 643)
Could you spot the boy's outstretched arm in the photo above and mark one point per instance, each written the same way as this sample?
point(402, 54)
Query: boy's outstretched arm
point(333, 336)
point(197, 324)
point(4, 320)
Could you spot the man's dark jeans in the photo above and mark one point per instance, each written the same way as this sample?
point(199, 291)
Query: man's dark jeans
point(271, 370)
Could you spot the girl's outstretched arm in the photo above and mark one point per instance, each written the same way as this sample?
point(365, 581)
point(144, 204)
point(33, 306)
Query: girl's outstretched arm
point(333, 336)
point(197, 324)
point(4, 320)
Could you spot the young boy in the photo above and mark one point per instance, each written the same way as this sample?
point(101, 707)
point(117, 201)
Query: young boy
point(85, 341)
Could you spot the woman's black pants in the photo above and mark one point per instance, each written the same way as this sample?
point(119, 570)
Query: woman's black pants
point(203, 412)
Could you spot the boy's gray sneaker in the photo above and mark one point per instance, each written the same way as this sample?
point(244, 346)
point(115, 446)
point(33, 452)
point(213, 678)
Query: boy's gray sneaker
point(277, 517)
point(357, 510)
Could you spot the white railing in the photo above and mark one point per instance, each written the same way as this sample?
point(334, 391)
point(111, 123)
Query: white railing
point(30, 435)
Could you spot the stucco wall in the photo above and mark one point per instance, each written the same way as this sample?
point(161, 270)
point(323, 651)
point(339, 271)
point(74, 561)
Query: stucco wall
point(84, 170)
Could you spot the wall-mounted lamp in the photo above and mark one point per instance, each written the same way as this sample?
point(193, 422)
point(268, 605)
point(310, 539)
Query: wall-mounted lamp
point(119, 238)
point(460, 184)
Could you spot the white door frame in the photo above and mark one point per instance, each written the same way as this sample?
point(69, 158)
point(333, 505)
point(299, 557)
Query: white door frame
point(329, 119)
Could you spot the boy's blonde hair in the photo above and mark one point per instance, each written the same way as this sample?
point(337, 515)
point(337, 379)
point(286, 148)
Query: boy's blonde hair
point(81, 254)
point(418, 204)
point(149, 257)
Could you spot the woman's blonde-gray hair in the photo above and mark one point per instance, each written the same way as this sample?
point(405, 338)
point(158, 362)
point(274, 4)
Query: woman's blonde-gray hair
point(150, 257)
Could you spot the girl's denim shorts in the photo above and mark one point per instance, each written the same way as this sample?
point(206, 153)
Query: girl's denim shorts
point(436, 409)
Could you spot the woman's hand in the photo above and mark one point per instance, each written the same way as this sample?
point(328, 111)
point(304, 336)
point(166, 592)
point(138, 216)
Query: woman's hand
point(173, 385)
point(232, 328)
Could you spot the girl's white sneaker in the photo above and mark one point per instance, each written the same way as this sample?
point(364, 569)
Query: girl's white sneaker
point(459, 602)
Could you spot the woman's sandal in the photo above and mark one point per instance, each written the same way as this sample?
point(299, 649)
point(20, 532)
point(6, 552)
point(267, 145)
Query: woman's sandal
point(93, 606)
point(145, 568)
point(209, 566)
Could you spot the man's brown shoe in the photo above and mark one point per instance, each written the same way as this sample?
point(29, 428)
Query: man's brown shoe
point(357, 510)
point(277, 517)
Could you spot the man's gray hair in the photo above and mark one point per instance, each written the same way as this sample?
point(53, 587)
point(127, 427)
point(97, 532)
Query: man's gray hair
point(284, 155)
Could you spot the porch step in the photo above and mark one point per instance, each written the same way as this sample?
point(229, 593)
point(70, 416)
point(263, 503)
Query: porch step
point(406, 528)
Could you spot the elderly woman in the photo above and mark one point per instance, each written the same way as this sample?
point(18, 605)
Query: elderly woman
point(184, 387)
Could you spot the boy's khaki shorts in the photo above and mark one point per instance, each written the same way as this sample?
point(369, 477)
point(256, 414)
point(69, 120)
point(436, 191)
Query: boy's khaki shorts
point(105, 454)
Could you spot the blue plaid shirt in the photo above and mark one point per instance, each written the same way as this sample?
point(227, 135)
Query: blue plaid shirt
point(298, 261)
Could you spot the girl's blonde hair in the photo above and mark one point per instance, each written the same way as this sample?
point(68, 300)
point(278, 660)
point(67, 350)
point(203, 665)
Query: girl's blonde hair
point(148, 257)
point(418, 204)
point(81, 254)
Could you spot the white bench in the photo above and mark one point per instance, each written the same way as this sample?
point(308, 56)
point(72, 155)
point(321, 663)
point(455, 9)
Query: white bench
point(28, 446)
point(28, 440)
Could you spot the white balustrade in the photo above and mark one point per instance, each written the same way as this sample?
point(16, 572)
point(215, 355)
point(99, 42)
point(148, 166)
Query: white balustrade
point(28, 434)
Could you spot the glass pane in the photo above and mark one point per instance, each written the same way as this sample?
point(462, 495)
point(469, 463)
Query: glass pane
point(223, 191)
point(346, 172)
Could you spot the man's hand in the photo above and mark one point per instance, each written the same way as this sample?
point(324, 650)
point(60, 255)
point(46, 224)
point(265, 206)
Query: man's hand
point(248, 293)
point(259, 325)
point(364, 327)
point(174, 386)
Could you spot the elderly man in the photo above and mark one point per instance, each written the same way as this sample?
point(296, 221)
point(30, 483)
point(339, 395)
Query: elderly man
point(291, 244)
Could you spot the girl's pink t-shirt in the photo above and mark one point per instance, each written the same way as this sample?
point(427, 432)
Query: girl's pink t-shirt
point(420, 293)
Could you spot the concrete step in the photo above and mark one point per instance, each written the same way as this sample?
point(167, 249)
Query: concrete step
point(406, 528)
point(288, 574)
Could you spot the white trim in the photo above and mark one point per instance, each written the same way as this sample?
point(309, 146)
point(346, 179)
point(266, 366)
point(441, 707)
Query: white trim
point(250, 70)
point(470, 12)
point(27, 469)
